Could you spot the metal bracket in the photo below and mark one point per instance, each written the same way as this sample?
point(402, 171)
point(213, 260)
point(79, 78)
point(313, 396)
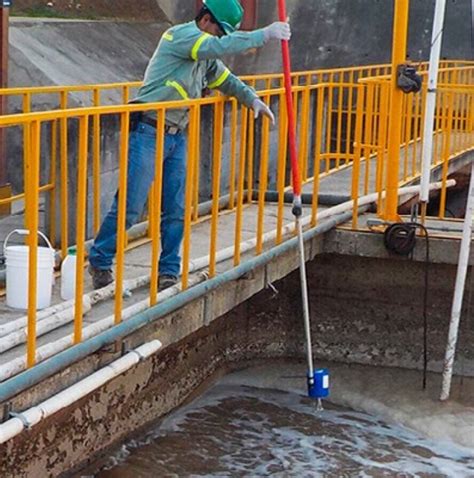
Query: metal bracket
point(113, 348)
point(207, 310)
point(269, 285)
point(125, 349)
point(247, 276)
point(7, 408)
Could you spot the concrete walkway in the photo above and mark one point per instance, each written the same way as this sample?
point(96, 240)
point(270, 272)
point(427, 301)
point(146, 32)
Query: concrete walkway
point(138, 257)
point(138, 263)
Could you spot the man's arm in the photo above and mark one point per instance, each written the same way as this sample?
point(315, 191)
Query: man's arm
point(208, 47)
point(221, 78)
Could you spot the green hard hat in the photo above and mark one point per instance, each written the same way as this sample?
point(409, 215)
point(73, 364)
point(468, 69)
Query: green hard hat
point(228, 13)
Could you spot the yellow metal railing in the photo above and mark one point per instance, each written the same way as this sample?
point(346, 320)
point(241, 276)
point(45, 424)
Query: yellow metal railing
point(453, 132)
point(342, 118)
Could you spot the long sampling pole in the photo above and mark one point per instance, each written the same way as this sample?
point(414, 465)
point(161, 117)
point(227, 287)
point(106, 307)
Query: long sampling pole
point(458, 292)
point(435, 53)
point(317, 381)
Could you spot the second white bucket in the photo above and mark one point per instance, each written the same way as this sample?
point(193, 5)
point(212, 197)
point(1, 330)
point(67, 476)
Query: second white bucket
point(17, 262)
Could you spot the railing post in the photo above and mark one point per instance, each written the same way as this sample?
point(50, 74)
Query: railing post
point(399, 49)
point(32, 179)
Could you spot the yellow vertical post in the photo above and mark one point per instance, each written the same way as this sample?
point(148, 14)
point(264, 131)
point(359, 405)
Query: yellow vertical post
point(126, 94)
point(63, 141)
point(384, 96)
point(32, 186)
point(318, 130)
point(194, 130)
point(446, 152)
point(52, 192)
point(121, 213)
point(26, 146)
point(281, 167)
point(233, 149)
point(368, 134)
point(416, 133)
point(357, 154)
point(407, 141)
point(456, 110)
point(399, 50)
point(160, 138)
point(463, 118)
point(240, 185)
point(329, 121)
point(196, 172)
point(262, 182)
point(151, 211)
point(96, 163)
point(216, 182)
point(304, 129)
point(81, 225)
point(349, 117)
point(340, 93)
point(250, 152)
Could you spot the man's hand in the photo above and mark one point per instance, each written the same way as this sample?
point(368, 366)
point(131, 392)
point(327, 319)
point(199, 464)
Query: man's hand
point(259, 107)
point(277, 31)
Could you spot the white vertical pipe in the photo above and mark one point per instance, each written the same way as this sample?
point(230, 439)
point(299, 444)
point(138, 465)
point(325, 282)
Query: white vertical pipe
point(435, 53)
point(458, 292)
point(304, 294)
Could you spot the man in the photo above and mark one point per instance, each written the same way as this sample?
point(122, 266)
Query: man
point(185, 63)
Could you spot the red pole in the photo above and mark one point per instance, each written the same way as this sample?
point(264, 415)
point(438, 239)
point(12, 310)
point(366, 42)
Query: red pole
point(285, 50)
point(313, 390)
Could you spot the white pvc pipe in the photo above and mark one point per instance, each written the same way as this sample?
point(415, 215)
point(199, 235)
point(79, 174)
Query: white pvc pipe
point(14, 333)
point(34, 415)
point(458, 292)
point(21, 322)
point(47, 324)
point(435, 53)
point(305, 302)
point(17, 365)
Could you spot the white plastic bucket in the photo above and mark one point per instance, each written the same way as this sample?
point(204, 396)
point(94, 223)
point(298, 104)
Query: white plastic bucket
point(16, 258)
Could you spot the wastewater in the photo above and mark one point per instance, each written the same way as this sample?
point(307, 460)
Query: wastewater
point(237, 430)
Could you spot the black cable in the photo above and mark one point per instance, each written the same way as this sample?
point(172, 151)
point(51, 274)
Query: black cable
point(400, 238)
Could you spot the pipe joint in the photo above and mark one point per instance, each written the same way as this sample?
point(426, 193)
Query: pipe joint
point(20, 416)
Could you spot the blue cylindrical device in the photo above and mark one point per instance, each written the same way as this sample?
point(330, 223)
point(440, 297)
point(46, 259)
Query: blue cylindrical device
point(318, 384)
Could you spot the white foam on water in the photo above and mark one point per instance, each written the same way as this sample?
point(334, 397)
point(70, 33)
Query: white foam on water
point(244, 431)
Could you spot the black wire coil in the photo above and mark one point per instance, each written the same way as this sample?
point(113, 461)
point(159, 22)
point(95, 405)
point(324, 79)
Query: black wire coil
point(400, 238)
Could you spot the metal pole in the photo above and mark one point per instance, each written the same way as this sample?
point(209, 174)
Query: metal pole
point(458, 292)
point(297, 204)
point(399, 50)
point(435, 53)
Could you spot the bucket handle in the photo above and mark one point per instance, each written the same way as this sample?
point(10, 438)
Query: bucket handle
point(24, 232)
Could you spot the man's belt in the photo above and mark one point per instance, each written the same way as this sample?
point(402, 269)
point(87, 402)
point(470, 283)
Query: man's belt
point(152, 122)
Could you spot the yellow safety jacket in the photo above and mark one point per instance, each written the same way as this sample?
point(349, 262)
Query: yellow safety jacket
point(186, 62)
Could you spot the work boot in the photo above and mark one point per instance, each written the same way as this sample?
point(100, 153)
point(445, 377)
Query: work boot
point(166, 281)
point(100, 277)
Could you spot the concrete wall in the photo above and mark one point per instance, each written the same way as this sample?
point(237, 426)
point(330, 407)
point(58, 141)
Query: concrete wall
point(365, 307)
point(327, 33)
point(331, 33)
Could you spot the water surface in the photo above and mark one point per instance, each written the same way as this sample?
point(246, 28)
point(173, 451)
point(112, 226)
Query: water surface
point(241, 431)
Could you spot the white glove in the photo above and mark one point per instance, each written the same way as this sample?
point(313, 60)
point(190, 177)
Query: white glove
point(259, 107)
point(277, 31)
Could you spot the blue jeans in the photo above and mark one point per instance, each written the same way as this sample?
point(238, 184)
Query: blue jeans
point(141, 171)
